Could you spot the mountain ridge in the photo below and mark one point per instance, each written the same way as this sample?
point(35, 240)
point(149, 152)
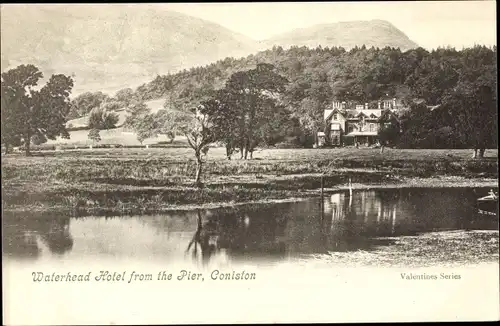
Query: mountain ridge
point(347, 34)
point(108, 50)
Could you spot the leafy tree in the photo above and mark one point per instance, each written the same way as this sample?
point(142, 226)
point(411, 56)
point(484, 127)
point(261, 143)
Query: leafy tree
point(166, 124)
point(100, 118)
point(111, 105)
point(389, 129)
point(416, 125)
point(136, 111)
point(84, 103)
point(125, 96)
point(475, 116)
point(146, 127)
point(10, 102)
point(225, 126)
point(250, 98)
point(94, 135)
point(33, 113)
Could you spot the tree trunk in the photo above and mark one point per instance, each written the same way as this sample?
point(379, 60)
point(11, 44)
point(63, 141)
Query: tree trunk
point(246, 153)
point(251, 154)
point(474, 155)
point(228, 152)
point(382, 149)
point(7, 148)
point(27, 144)
point(241, 152)
point(199, 163)
point(481, 152)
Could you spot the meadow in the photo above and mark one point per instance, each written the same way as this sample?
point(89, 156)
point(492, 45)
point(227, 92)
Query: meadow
point(144, 180)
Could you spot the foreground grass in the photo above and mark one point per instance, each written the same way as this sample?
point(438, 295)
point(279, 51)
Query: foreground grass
point(126, 180)
point(447, 248)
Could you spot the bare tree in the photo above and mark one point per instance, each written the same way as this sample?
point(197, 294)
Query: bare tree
point(196, 127)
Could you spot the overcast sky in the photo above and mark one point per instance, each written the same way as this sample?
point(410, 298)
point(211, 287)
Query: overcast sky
point(429, 23)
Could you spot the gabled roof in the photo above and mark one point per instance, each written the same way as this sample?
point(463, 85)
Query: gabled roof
point(329, 113)
point(366, 112)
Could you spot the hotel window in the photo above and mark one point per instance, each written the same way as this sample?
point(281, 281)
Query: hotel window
point(350, 129)
point(372, 127)
point(335, 116)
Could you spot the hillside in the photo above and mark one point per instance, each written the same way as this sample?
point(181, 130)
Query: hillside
point(112, 47)
point(108, 49)
point(373, 33)
point(117, 136)
point(154, 106)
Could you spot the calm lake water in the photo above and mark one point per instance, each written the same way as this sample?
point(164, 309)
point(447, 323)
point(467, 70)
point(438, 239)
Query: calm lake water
point(251, 233)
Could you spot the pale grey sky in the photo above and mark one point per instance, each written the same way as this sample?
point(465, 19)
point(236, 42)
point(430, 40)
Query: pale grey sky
point(428, 23)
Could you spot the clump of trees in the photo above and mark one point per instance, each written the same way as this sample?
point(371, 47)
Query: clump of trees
point(84, 103)
point(279, 95)
point(248, 111)
point(31, 115)
point(425, 80)
point(389, 129)
point(244, 114)
point(101, 119)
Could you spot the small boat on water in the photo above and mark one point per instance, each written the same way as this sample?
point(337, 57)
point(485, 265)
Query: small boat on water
point(488, 204)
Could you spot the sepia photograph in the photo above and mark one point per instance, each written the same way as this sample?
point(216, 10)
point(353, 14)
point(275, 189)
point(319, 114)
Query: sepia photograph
point(233, 163)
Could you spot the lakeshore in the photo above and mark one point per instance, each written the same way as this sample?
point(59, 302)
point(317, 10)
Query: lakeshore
point(127, 181)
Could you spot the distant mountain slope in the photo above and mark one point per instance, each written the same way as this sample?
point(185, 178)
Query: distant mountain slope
point(128, 44)
point(376, 33)
point(111, 48)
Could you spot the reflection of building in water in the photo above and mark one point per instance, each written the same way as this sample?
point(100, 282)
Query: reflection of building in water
point(337, 206)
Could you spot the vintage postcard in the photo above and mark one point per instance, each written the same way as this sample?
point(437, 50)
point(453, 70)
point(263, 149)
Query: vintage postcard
point(232, 163)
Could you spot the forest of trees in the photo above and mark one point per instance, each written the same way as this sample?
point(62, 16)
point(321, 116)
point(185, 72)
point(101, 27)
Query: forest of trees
point(451, 96)
point(422, 79)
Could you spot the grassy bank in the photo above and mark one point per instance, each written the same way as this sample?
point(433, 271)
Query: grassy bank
point(139, 180)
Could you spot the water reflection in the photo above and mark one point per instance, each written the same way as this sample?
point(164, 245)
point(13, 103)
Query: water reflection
point(30, 237)
point(270, 232)
point(238, 233)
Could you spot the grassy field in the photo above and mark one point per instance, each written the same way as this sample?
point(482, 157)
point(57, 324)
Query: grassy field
point(140, 180)
point(117, 136)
